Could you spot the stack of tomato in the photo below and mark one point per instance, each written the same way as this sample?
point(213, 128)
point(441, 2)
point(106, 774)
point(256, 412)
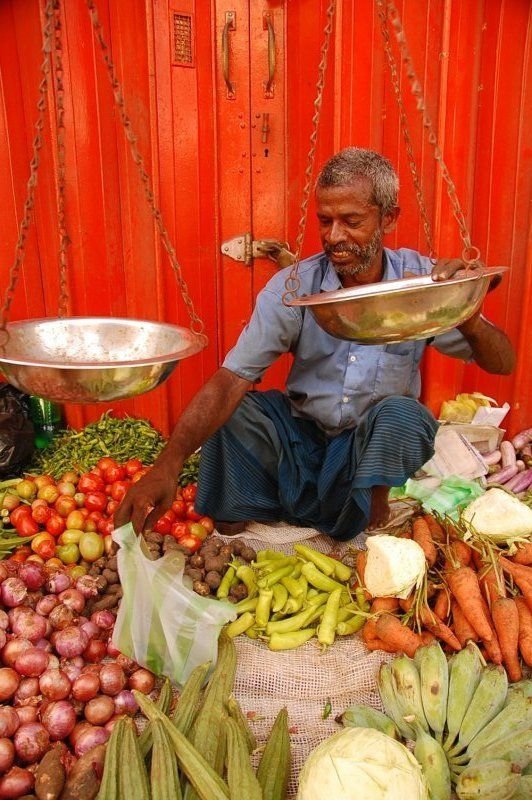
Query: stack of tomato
point(72, 518)
point(183, 522)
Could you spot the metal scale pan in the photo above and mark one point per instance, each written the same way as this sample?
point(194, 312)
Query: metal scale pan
point(395, 311)
point(93, 359)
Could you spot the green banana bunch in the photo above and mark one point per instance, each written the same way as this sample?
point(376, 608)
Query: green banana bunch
point(492, 780)
point(516, 748)
point(407, 684)
point(357, 716)
point(390, 702)
point(433, 760)
point(434, 677)
point(514, 717)
point(488, 700)
point(465, 669)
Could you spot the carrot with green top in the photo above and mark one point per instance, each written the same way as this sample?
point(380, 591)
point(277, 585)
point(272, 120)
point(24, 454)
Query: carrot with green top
point(394, 634)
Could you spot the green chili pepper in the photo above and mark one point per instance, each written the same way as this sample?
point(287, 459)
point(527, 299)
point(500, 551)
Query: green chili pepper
point(225, 584)
point(327, 626)
point(247, 576)
point(320, 581)
point(289, 641)
point(351, 625)
point(262, 612)
point(274, 577)
point(329, 566)
point(240, 625)
point(280, 596)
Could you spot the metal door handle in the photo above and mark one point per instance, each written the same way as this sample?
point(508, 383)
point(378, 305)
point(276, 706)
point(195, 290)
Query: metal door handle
point(267, 22)
point(230, 25)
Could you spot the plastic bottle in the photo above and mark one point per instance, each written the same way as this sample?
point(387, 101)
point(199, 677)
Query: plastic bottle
point(47, 418)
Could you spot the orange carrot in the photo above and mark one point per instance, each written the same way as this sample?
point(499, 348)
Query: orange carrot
point(394, 634)
point(506, 621)
point(435, 625)
point(458, 554)
point(421, 534)
point(427, 637)
point(389, 604)
point(493, 649)
point(442, 606)
point(522, 576)
point(463, 583)
point(371, 640)
point(404, 534)
point(523, 555)
point(525, 630)
point(436, 530)
point(462, 629)
point(492, 586)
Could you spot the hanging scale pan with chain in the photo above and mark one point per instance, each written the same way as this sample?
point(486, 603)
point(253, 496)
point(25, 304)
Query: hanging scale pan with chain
point(409, 308)
point(87, 359)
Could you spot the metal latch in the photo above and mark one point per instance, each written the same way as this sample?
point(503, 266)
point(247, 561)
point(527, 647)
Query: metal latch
point(245, 248)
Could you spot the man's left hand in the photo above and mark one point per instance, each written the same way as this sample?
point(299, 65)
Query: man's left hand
point(446, 268)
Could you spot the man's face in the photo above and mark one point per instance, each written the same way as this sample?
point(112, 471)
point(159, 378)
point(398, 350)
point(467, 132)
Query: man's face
point(351, 229)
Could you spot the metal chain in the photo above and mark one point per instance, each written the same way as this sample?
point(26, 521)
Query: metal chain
point(394, 73)
point(20, 248)
point(292, 282)
point(64, 239)
point(470, 253)
point(197, 325)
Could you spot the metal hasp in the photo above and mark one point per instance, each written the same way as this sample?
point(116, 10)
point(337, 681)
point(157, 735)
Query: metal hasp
point(245, 248)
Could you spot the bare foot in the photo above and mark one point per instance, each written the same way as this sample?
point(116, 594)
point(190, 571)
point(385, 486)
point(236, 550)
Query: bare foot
point(380, 507)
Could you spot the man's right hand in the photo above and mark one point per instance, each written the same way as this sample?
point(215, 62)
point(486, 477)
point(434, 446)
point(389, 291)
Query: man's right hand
point(148, 499)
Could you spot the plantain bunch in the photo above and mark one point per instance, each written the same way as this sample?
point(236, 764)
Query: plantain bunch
point(471, 730)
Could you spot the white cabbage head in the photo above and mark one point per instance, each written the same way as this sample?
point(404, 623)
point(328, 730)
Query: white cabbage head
point(361, 763)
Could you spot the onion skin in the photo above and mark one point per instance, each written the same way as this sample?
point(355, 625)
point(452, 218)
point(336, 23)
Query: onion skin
point(4, 620)
point(47, 604)
point(55, 684)
point(142, 680)
point(16, 783)
point(32, 663)
point(95, 651)
point(9, 681)
point(61, 617)
point(70, 641)
point(12, 650)
point(59, 719)
point(99, 710)
point(58, 583)
point(28, 690)
point(86, 687)
point(9, 721)
point(112, 679)
point(33, 575)
point(3, 639)
point(104, 619)
point(87, 585)
point(7, 754)
point(29, 626)
point(125, 703)
point(73, 600)
point(90, 738)
point(13, 592)
point(27, 714)
point(31, 742)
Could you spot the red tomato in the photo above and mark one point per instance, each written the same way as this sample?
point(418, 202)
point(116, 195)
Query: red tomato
point(192, 513)
point(95, 501)
point(179, 507)
point(20, 555)
point(64, 505)
point(119, 489)
point(164, 523)
point(18, 513)
point(41, 514)
point(90, 483)
point(55, 525)
point(111, 507)
point(96, 471)
point(106, 527)
point(197, 529)
point(48, 493)
point(178, 530)
point(44, 546)
point(96, 516)
point(89, 525)
point(43, 480)
point(105, 463)
point(207, 523)
point(75, 520)
point(189, 492)
point(132, 466)
point(26, 526)
point(190, 541)
point(112, 474)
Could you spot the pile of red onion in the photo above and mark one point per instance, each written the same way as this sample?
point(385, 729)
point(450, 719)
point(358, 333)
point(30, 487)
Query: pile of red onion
point(61, 678)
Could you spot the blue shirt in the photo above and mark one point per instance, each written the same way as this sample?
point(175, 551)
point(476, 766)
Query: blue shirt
point(332, 381)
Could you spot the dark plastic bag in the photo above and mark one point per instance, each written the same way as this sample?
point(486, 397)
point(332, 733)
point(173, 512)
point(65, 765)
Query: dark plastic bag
point(17, 433)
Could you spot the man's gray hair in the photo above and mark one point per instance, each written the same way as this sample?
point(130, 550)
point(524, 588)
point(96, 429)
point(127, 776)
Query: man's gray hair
point(354, 162)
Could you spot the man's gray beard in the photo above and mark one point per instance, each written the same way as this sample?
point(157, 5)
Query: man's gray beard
point(365, 256)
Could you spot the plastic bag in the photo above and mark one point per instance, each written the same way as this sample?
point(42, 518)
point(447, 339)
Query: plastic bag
point(447, 499)
point(16, 432)
point(162, 624)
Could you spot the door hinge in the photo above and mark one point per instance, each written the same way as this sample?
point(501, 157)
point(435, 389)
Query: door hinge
point(245, 248)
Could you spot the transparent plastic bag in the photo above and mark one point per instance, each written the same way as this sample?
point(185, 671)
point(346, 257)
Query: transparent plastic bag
point(162, 623)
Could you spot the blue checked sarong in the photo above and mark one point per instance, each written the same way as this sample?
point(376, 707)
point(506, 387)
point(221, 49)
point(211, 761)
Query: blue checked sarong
point(266, 465)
